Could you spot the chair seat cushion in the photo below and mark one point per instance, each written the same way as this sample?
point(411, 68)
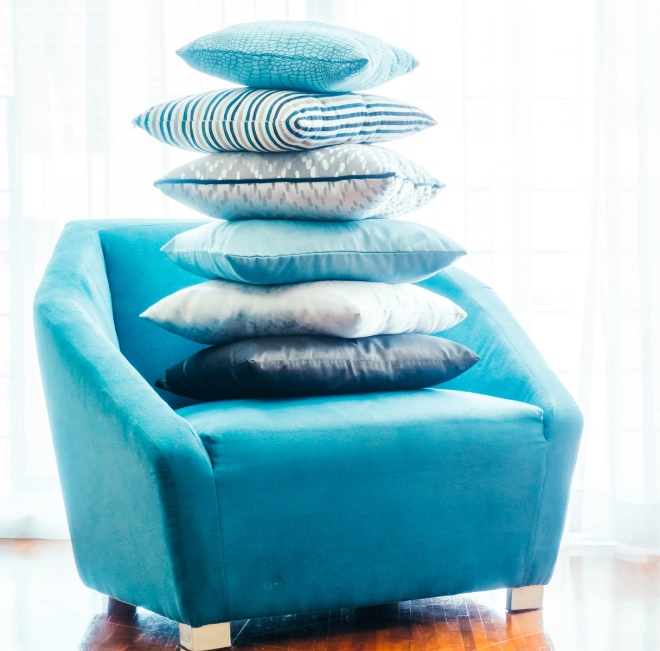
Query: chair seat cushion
point(374, 498)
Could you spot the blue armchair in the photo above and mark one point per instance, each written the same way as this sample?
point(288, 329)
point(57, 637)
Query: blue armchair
point(208, 513)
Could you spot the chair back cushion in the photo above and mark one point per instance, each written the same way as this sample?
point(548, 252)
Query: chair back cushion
point(139, 274)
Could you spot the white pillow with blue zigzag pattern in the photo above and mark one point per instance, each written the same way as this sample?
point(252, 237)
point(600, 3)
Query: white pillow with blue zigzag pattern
point(341, 183)
point(247, 119)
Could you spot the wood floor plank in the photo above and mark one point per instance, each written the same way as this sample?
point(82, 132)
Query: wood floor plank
point(596, 602)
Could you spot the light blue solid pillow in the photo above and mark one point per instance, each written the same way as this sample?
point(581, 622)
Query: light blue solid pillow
point(270, 252)
point(297, 55)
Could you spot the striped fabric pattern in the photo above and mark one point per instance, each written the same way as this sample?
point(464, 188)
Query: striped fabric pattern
point(247, 119)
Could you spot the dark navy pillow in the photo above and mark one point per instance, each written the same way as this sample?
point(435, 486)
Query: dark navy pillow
point(313, 365)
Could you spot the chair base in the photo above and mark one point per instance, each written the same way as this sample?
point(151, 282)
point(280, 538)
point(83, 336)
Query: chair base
point(119, 609)
point(205, 638)
point(218, 636)
point(528, 598)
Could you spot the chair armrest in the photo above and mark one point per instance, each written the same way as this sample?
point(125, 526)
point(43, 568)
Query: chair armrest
point(511, 367)
point(138, 483)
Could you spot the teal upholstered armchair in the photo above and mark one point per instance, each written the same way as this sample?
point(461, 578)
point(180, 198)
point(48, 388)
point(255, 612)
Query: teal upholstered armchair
point(207, 513)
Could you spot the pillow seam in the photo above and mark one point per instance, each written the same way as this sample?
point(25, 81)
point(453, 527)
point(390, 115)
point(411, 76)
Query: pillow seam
point(325, 362)
point(298, 255)
point(368, 58)
point(320, 179)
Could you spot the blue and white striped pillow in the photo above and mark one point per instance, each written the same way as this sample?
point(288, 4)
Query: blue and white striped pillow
point(246, 119)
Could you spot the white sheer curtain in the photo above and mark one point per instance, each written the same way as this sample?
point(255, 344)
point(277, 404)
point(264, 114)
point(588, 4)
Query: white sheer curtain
point(548, 139)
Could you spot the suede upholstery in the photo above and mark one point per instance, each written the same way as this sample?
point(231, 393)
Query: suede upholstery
point(245, 508)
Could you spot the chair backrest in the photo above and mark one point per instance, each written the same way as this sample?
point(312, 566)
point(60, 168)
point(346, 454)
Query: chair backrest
point(139, 274)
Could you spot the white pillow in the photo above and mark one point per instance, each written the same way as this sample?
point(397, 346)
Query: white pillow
point(220, 311)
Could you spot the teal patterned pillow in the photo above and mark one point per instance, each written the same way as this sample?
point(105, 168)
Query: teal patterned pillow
point(293, 55)
point(245, 119)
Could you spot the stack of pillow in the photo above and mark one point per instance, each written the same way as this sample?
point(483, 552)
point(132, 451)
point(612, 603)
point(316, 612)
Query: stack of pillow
point(309, 279)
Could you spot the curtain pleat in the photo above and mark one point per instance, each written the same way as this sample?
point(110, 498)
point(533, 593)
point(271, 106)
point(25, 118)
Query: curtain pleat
point(548, 140)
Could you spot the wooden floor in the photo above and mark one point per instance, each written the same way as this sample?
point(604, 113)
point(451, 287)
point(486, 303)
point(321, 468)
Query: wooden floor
point(596, 601)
